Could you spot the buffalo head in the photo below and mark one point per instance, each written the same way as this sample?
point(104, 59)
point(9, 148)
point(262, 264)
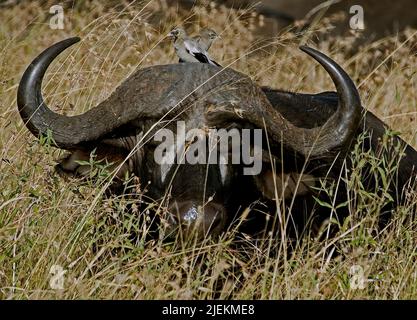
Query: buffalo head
point(122, 129)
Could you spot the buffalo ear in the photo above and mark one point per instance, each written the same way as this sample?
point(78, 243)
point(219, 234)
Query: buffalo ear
point(284, 185)
point(70, 164)
point(73, 164)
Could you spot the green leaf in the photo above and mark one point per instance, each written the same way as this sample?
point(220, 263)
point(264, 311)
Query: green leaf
point(322, 203)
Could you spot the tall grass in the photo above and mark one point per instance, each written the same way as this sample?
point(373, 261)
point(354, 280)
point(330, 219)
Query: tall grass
point(48, 222)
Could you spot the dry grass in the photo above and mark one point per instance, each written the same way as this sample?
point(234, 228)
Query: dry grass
point(46, 220)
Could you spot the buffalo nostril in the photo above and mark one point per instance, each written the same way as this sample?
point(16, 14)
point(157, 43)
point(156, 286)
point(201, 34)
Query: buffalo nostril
point(214, 220)
point(194, 219)
point(191, 215)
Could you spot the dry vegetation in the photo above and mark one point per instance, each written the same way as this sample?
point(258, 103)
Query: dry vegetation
point(46, 220)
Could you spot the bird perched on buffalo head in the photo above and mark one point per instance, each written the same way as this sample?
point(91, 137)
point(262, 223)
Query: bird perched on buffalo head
point(206, 38)
point(187, 49)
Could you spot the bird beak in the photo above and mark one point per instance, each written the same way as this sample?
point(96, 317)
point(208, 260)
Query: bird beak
point(172, 34)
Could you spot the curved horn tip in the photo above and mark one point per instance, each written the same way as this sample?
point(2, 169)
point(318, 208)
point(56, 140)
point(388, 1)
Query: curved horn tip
point(349, 100)
point(72, 40)
point(29, 97)
point(304, 48)
point(316, 54)
point(337, 73)
point(63, 44)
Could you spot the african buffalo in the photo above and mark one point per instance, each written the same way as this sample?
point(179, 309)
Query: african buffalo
point(302, 134)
